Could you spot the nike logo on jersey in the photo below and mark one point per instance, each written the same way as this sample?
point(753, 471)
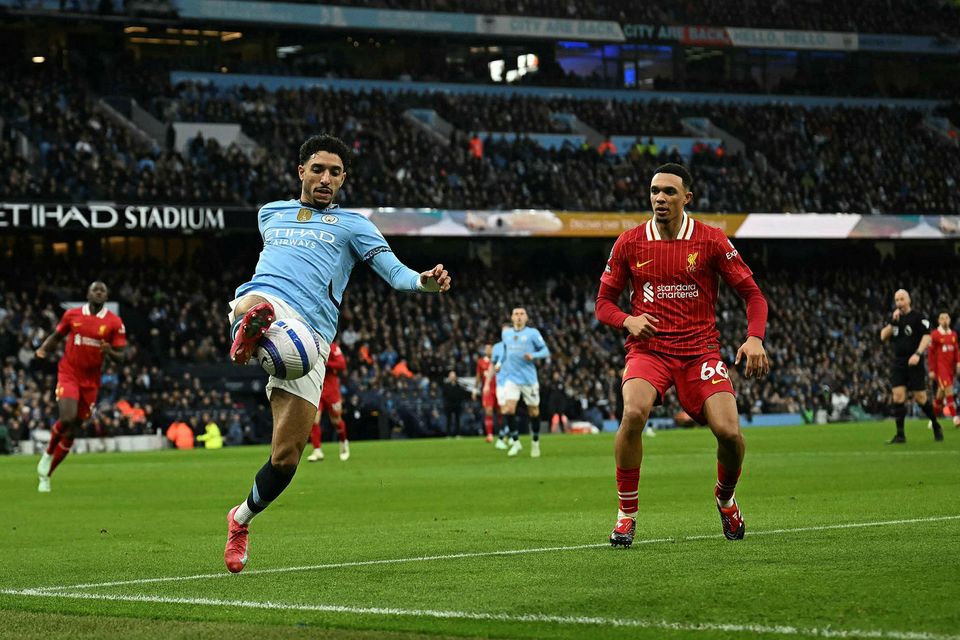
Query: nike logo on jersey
point(718, 381)
point(640, 265)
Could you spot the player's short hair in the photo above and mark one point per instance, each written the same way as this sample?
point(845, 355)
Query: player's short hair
point(325, 142)
point(677, 170)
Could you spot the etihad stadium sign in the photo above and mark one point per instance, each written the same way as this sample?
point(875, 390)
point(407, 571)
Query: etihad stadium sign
point(110, 216)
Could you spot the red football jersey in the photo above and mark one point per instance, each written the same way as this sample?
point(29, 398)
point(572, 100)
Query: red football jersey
point(84, 330)
point(943, 353)
point(675, 281)
point(482, 365)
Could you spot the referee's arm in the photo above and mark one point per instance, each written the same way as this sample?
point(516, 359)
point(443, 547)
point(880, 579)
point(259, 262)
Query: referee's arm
point(886, 332)
point(921, 350)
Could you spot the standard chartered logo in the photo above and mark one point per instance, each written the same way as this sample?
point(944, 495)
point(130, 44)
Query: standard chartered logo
point(669, 291)
point(647, 292)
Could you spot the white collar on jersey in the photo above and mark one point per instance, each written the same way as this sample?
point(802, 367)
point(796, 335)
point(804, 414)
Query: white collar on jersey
point(685, 233)
point(942, 331)
point(100, 314)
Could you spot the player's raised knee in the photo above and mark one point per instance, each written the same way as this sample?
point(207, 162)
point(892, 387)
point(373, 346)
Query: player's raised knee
point(635, 417)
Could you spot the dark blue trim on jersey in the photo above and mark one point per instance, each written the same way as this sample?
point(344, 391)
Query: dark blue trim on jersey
point(304, 359)
point(370, 255)
point(332, 298)
point(279, 368)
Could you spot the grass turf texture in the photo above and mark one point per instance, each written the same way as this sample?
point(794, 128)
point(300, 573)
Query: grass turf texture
point(122, 517)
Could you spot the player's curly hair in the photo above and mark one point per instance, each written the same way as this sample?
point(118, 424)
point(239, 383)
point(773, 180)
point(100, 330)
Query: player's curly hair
point(325, 142)
point(677, 170)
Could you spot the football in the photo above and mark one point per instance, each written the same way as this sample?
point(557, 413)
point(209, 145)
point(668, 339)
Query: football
point(289, 349)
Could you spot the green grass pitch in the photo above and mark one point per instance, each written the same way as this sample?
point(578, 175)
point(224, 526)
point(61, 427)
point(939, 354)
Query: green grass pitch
point(846, 537)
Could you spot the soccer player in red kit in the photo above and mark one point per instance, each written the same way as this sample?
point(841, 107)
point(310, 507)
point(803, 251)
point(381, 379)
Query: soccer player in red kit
point(486, 385)
point(943, 358)
point(91, 332)
point(674, 263)
point(331, 403)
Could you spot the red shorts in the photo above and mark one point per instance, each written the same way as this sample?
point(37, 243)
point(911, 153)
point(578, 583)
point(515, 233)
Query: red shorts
point(696, 377)
point(84, 391)
point(330, 398)
point(944, 378)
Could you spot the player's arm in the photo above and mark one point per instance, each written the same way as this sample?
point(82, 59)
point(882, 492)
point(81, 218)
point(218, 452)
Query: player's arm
point(370, 244)
point(52, 341)
point(735, 272)
point(915, 356)
point(608, 311)
point(117, 354)
point(542, 351)
point(496, 359)
point(757, 310)
point(116, 348)
point(50, 345)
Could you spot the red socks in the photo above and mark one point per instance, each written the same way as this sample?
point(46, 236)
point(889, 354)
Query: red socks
point(56, 432)
point(628, 483)
point(726, 482)
point(315, 435)
point(63, 448)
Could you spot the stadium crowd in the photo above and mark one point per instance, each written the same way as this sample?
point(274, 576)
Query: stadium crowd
point(822, 340)
point(830, 158)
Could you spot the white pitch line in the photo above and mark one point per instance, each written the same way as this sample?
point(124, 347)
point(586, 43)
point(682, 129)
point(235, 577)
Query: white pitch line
point(784, 630)
point(480, 554)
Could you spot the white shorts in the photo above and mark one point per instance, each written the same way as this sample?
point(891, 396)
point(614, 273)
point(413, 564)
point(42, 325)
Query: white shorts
point(512, 391)
point(309, 386)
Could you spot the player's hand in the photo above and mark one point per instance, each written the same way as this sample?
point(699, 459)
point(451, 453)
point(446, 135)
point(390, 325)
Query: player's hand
point(914, 360)
point(933, 375)
point(527, 357)
point(40, 353)
point(642, 326)
point(473, 396)
point(896, 315)
point(496, 367)
point(757, 363)
point(436, 280)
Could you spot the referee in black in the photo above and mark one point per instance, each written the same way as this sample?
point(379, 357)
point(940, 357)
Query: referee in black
point(910, 331)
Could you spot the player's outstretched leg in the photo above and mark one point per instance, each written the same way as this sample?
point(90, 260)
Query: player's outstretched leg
point(248, 330)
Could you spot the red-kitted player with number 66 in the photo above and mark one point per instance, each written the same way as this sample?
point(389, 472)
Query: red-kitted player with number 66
point(674, 263)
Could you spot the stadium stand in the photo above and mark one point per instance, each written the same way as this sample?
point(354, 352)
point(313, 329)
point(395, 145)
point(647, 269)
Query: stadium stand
point(821, 158)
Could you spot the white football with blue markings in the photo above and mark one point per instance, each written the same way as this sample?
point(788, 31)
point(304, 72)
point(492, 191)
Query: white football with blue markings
point(289, 349)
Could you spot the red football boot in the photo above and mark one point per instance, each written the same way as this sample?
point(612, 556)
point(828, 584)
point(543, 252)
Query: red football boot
point(622, 535)
point(235, 553)
point(254, 324)
point(733, 527)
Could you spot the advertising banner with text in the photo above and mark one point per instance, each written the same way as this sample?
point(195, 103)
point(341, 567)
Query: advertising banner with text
point(113, 218)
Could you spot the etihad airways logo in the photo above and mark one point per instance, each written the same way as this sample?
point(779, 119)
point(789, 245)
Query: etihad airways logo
point(669, 291)
point(297, 237)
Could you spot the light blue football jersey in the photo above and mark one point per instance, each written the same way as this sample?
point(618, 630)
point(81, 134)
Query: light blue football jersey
point(308, 255)
point(515, 368)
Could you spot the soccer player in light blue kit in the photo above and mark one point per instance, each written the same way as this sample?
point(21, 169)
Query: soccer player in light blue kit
point(521, 346)
point(310, 246)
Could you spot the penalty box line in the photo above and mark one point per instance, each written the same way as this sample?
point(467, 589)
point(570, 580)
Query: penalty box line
point(458, 556)
point(439, 614)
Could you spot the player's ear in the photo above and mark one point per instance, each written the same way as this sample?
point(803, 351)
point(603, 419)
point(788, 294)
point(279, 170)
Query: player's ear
point(300, 171)
point(687, 199)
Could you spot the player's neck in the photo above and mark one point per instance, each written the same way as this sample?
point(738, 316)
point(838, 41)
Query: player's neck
point(668, 230)
point(94, 308)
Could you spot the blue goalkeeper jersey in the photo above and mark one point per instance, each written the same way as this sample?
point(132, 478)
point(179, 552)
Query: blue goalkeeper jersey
point(515, 368)
point(308, 255)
